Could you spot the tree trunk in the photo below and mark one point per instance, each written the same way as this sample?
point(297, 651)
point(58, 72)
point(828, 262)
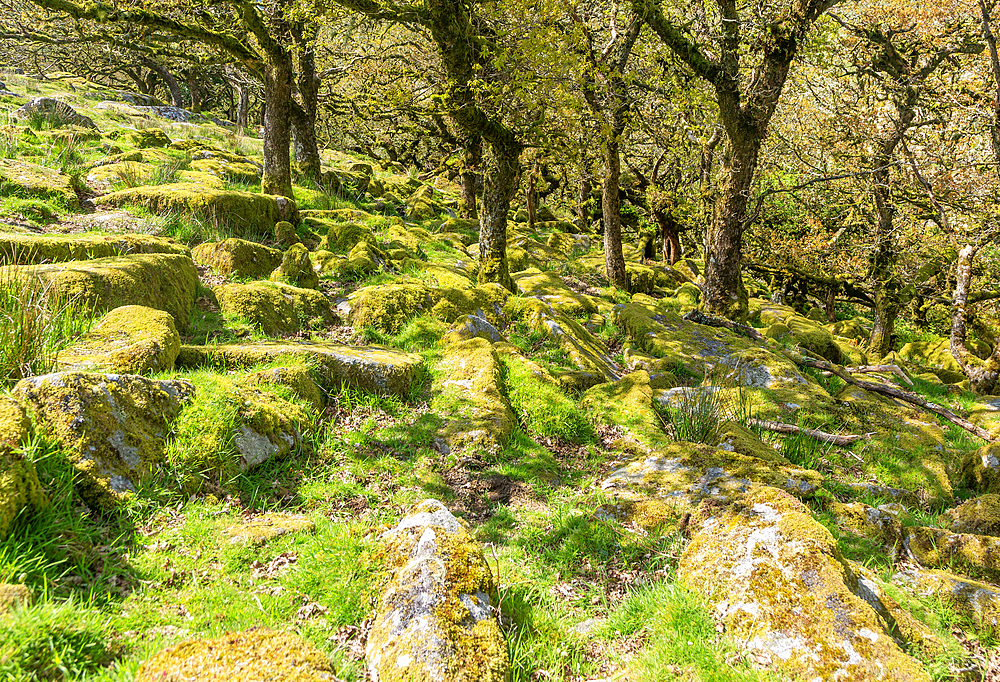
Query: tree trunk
point(583, 212)
point(614, 261)
point(277, 177)
point(724, 293)
point(193, 91)
point(176, 94)
point(982, 374)
point(242, 106)
point(499, 188)
point(886, 310)
point(470, 176)
point(304, 116)
point(530, 200)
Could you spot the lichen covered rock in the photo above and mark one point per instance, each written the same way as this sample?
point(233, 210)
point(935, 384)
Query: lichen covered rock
point(55, 112)
point(131, 339)
point(32, 249)
point(588, 353)
point(470, 397)
point(683, 474)
point(548, 287)
point(435, 618)
point(237, 258)
point(113, 426)
point(275, 308)
point(471, 327)
point(782, 590)
point(368, 368)
point(296, 268)
point(237, 657)
point(160, 281)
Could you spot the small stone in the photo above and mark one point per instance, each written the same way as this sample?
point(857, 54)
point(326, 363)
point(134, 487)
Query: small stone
point(267, 527)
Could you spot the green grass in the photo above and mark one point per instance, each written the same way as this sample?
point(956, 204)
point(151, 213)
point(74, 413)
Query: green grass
point(542, 406)
point(35, 325)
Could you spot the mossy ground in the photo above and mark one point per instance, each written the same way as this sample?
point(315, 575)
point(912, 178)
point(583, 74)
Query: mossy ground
point(586, 581)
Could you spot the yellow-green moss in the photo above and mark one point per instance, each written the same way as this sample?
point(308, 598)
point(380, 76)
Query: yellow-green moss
point(297, 378)
point(980, 515)
point(275, 308)
point(237, 171)
point(388, 307)
point(296, 268)
point(148, 137)
point(131, 339)
point(21, 178)
point(548, 287)
point(977, 556)
point(32, 249)
point(237, 657)
point(627, 404)
point(976, 601)
point(339, 237)
point(238, 257)
point(12, 596)
point(242, 212)
point(469, 397)
point(20, 490)
point(368, 368)
point(161, 281)
point(266, 527)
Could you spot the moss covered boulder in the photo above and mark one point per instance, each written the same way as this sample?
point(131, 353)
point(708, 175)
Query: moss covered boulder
point(980, 516)
point(113, 426)
point(160, 281)
point(54, 112)
point(275, 308)
point(388, 307)
point(977, 556)
point(296, 268)
point(232, 425)
point(585, 351)
point(980, 469)
point(368, 368)
point(20, 178)
point(296, 377)
point(435, 618)
point(238, 258)
point(339, 236)
point(548, 287)
point(627, 406)
point(469, 397)
point(32, 249)
point(148, 137)
point(239, 656)
point(977, 601)
point(241, 212)
point(471, 327)
point(782, 590)
point(235, 170)
point(935, 354)
point(131, 339)
point(363, 259)
point(683, 474)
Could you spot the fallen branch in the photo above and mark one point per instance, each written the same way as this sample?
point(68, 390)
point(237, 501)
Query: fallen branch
point(880, 369)
point(905, 396)
point(699, 317)
point(778, 427)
